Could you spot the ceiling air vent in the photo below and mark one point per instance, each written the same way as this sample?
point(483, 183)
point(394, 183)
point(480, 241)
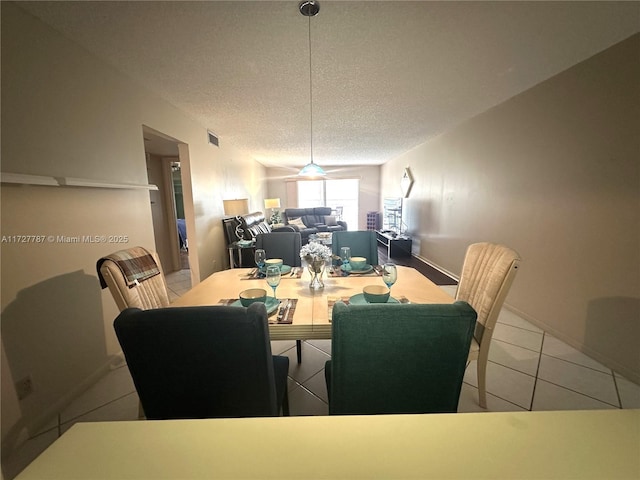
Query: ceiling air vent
point(213, 140)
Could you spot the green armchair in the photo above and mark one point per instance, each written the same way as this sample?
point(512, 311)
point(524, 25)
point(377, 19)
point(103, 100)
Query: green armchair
point(395, 358)
point(363, 243)
point(203, 362)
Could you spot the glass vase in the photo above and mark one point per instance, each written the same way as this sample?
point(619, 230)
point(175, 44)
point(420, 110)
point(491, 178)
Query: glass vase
point(316, 269)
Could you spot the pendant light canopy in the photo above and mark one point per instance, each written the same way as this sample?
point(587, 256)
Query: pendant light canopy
point(310, 9)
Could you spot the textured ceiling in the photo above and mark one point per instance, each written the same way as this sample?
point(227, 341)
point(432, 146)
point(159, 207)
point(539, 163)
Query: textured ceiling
point(387, 76)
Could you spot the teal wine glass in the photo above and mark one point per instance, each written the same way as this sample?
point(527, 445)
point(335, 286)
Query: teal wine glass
point(389, 274)
point(345, 255)
point(273, 277)
point(260, 257)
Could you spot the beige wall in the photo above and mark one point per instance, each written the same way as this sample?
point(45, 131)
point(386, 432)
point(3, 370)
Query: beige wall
point(553, 173)
point(65, 113)
point(281, 184)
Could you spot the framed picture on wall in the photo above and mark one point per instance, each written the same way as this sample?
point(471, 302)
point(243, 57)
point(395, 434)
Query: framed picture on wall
point(406, 182)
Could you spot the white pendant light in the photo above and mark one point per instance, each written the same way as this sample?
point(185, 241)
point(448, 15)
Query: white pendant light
point(312, 170)
point(310, 9)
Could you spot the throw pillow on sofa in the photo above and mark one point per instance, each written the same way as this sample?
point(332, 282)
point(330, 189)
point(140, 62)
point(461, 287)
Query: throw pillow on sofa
point(297, 222)
point(330, 221)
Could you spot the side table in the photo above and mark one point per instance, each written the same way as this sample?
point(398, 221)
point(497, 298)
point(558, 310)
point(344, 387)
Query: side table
point(240, 248)
point(397, 245)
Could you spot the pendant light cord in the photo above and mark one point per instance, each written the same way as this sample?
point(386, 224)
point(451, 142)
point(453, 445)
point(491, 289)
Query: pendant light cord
point(310, 8)
point(310, 95)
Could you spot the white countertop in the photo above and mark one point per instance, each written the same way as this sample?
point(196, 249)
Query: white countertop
point(603, 444)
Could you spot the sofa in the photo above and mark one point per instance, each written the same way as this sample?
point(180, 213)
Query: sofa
point(309, 221)
point(251, 224)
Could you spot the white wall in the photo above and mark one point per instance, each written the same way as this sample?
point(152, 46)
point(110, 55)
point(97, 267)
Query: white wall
point(555, 174)
point(65, 113)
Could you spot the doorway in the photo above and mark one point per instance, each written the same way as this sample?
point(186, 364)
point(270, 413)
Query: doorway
point(167, 208)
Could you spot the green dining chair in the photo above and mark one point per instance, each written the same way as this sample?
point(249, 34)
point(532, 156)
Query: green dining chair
point(284, 245)
point(397, 358)
point(203, 362)
point(363, 243)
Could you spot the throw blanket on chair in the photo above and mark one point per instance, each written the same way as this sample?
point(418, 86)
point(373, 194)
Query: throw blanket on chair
point(136, 264)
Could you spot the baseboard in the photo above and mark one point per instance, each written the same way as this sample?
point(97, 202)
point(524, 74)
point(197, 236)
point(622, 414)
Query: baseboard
point(437, 267)
point(19, 433)
point(630, 375)
point(118, 361)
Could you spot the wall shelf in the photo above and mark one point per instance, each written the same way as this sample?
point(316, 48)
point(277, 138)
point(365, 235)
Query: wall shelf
point(26, 179)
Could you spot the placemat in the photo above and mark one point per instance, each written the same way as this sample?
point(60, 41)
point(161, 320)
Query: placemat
point(332, 300)
point(338, 272)
point(272, 318)
point(296, 273)
point(227, 301)
point(288, 318)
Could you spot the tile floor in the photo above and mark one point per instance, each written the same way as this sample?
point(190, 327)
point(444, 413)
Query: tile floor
point(528, 370)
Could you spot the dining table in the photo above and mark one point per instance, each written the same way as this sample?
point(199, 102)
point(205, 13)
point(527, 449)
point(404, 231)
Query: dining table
point(310, 317)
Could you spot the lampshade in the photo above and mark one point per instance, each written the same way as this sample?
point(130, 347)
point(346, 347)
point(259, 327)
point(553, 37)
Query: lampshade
point(271, 203)
point(311, 170)
point(233, 208)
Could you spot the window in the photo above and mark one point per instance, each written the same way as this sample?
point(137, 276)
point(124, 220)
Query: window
point(310, 193)
point(332, 193)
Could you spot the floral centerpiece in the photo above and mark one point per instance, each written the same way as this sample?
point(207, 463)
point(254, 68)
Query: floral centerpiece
point(316, 255)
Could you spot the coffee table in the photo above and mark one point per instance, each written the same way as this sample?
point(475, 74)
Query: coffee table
point(325, 238)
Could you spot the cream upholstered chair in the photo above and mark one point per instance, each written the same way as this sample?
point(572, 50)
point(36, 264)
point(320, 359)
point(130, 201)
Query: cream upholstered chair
point(146, 295)
point(487, 274)
point(151, 293)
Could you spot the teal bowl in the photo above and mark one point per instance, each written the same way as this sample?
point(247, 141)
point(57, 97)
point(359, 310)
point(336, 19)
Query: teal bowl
point(376, 294)
point(272, 262)
point(358, 263)
point(253, 295)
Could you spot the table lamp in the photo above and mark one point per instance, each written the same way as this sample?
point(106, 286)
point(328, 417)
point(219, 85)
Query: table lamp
point(236, 208)
point(274, 205)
